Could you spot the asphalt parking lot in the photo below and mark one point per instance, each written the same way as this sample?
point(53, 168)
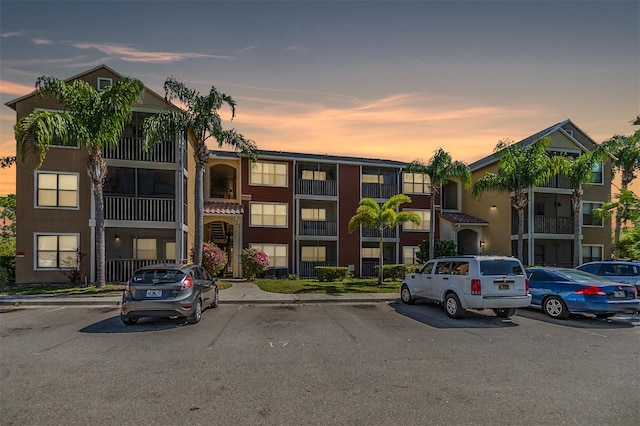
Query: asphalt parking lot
point(355, 364)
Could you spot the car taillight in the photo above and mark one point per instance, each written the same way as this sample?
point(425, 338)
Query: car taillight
point(127, 288)
point(187, 283)
point(526, 284)
point(476, 286)
point(591, 291)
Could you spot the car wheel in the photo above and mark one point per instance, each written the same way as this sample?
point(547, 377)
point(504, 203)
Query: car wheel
point(216, 299)
point(452, 306)
point(197, 313)
point(505, 312)
point(605, 315)
point(555, 307)
point(129, 321)
point(406, 296)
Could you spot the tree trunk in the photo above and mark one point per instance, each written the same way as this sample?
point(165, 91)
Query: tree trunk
point(616, 237)
point(97, 171)
point(521, 234)
point(199, 225)
point(575, 204)
point(432, 226)
point(381, 257)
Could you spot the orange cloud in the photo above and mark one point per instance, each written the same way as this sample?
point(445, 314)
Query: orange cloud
point(11, 88)
point(133, 55)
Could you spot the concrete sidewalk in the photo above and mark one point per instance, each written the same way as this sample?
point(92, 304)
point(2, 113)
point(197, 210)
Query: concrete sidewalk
point(240, 292)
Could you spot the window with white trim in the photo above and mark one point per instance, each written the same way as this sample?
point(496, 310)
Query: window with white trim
point(268, 214)
point(57, 190)
point(314, 214)
point(591, 253)
point(425, 224)
point(370, 252)
point(588, 216)
point(598, 176)
point(313, 254)
point(278, 254)
point(314, 175)
point(269, 174)
point(57, 251)
point(103, 83)
point(416, 183)
point(409, 255)
point(145, 248)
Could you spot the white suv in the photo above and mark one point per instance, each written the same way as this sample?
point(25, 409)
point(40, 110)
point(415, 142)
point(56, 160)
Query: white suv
point(470, 282)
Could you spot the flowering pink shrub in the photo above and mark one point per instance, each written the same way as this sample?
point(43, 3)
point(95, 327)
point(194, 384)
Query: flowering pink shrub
point(254, 262)
point(213, 258)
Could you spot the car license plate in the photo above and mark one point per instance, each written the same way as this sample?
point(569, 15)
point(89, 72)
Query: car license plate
point(154, 293)
point(618, 293)
point(503, 286)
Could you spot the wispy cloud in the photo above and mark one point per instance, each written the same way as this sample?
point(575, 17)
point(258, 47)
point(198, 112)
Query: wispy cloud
point(42, 41)
point(246, 49)
point(13, 34)
point(297, 48)
point(11, 88)
point(130, 54)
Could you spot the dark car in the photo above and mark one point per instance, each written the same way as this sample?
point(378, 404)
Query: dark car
point(624, 271)
point(168, 291)
point(559, 292)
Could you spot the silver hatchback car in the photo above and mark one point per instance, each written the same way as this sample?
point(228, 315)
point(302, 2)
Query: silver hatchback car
point(168, 291)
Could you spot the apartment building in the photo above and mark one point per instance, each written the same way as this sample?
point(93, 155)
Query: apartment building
point(146, 199)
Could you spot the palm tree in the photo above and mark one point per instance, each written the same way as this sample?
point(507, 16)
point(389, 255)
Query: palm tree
point(372, 215)
point(440, 169)
point(579, 171)
point(626, 150)
point(89, 119)
point(200, 118)
point(519, 169)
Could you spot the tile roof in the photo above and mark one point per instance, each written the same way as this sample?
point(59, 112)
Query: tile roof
point(223, 208)
point(462, 218)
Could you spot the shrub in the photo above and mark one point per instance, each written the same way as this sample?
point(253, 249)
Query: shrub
point(441, 248)
point(214, 259)
point(332, 273)
point(254, 262)
point(395, 272)
point(4, 277)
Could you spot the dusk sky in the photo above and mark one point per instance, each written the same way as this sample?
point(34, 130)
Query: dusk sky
point(379, 79)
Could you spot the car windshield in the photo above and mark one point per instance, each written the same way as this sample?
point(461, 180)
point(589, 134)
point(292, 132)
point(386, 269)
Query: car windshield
point(156, 276)
point(577, 276)
point(500, 267)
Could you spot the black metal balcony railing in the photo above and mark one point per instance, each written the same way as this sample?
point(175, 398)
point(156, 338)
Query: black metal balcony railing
point(557, 181)
point(545, 225)
point(147, 209)
point(131, 149)
point(120, 270)
point(308, 269)
point(375, 190)
point(373, 233)
point(317, 187)
point(318, 228)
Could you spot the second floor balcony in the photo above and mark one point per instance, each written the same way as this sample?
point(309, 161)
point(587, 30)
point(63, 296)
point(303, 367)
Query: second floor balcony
point(139, 209)
point(318, 228)
point(373, 233)
point(545, 225)
point(379, 190)
point(130, 148)
point(317, 187)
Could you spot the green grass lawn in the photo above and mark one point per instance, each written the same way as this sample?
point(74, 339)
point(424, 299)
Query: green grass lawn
point(355, 285)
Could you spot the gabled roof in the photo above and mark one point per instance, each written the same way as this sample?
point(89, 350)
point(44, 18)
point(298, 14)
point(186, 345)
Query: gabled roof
point(462, 218)
point(492, 158)
point(12, 104)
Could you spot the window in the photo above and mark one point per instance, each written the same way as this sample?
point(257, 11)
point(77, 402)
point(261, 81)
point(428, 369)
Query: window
point(57, 251)
point(103, 83)
point(366, 178)
point(56, 190)
point(425, 225)
point(170, 250)
point(272, 174)
point(370, 252)
point(416, 183)
point(569, 132)
point(313, 254)
point(264, 214)
point(591, 253)
point(277, 254)
point(314, 214)
point(409, 255)
point(145, 248)
point(597, 173)
point(314, 175)
point(588, 217)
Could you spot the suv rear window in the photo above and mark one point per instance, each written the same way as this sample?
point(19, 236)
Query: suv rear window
point(500, 267)
point(157, 276)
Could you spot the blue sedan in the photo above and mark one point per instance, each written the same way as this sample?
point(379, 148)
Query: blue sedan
point(559, 292)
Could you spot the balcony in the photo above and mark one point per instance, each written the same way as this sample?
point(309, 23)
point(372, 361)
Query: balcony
point(557, 181)
point(373, 233)
point(317, 187)
point(308, 269)
point(318, 228)
point(546, 225)
point(130, 148)
point(379, 190)
point(145, 209)
point(120, 270)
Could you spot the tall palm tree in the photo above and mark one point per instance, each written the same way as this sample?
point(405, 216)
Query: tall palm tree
point(519, 169)
point(440, 169)
point(579, 171)
point(626, 150)
point(372, 215)
point(91, 120)
point(199, 118)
